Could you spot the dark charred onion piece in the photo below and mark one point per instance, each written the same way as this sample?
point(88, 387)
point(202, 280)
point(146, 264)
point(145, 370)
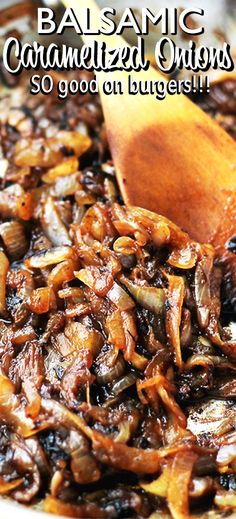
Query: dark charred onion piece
point(83, 465)
point(25, 465)
point(77, 376)
point(105, 449)
point(186, 328)
point(106, 374)
point(38, 453)
point(28, 365)
point(22, 282)
point(123, 383)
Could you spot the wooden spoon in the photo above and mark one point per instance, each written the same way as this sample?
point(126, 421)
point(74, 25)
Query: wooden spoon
point(170, 156)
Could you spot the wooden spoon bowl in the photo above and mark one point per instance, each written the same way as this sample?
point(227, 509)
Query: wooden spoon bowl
point(170, 156)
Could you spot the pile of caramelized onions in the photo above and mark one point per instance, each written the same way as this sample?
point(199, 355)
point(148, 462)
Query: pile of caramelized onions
point(117, 367)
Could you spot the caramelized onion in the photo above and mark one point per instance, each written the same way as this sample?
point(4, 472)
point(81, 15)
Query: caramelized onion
point(59, 507)
point(82, 336)
point(100, 282)
point(22, 281)
point(122, 457)
point(14, 239)
point(53, 226)
point(125, 245)
point(153, 299)
point(159, 486)
point(39, 301)
point(123, 383)
point(106, 374)
point(63, 272)
point(180, 477)
point(120, 298)
point(37, 152)
point(25, 206)
point(105, 449)
point(164, 390)
point(47, 152)
point(9, 201)
point(74, 140)
point(67, 167)
point(225, 500)
point(11, 410)
point(4, 266)
point(33, 398)
point(226, 454)
point(184, 258)
point(23, 460)
point(23, 335)
point(65, 186)
point(123, 334)
point(49, 257)
point(8, 486)
point(202, 289)
point(175, 297)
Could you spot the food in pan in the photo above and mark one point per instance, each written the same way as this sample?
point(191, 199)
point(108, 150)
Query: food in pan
point(117, 364)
